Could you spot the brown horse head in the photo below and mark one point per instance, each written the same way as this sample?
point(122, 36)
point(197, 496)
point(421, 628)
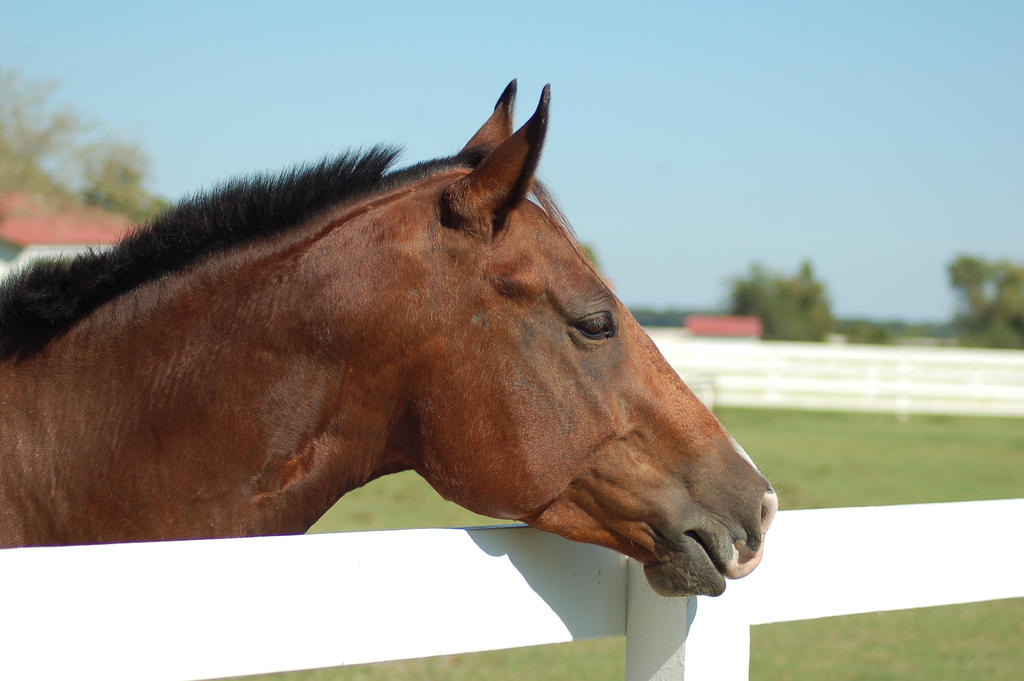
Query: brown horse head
point(538, 397)
point(253, 354)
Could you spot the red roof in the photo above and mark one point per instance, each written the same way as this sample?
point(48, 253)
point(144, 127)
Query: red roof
point(26, 219)
point(725, 326)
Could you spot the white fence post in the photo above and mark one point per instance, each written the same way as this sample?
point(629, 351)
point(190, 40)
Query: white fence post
point(655, 630)
point(682, 639)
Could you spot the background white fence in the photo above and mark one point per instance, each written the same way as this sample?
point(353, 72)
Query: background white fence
point(213, 608)
point(840, 377)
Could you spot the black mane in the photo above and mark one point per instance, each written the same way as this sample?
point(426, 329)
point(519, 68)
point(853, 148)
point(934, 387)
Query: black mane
point(44, 299)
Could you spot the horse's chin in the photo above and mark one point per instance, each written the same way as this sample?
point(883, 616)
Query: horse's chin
point(688, 571)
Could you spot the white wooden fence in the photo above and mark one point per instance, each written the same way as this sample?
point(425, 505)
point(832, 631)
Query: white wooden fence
point(881, 378)
point(205, 609)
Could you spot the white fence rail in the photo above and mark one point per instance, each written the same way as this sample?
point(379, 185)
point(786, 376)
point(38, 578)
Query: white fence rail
point(214, 608)
point(898, 379)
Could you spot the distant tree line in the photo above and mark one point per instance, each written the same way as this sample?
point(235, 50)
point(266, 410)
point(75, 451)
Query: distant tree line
point(877, 332)
point(53, 152)
point(669, 316)
point(990, 307)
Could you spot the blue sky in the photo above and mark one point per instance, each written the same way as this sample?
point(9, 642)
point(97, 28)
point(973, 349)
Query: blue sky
point(687, 139)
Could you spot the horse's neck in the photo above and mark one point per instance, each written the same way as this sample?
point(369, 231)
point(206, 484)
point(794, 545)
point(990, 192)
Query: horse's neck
point(222, 405)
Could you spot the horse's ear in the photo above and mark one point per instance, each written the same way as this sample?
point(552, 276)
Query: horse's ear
point(498, 127)
point(481, 201)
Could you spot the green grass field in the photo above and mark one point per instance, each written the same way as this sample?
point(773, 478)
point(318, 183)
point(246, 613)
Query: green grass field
point(815, 460)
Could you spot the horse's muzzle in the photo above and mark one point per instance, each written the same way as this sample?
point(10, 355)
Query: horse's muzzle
point(699, 562)
point(747, 554)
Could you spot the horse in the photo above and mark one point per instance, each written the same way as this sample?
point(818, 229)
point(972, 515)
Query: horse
point(237, 364)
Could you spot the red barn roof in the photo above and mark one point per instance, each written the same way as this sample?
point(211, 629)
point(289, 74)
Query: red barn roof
point(26, 219)
point(728, 326)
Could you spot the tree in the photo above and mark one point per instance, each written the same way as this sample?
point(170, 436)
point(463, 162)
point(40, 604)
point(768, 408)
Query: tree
point(112, 179)
point(36, 141)
point(990, 305)
point(52, 152)
point(791, 308)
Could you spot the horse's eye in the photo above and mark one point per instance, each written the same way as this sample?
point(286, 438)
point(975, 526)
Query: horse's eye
point(597, 326)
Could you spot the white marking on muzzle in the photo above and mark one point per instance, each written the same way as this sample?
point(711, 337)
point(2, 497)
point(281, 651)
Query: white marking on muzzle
point(744, 560)
point(742, 452)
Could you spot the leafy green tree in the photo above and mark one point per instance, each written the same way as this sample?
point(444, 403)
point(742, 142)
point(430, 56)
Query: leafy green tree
point(36, 140)
point(990, 305)
point(113, 175)
point(53, 152)
point(791, 308)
